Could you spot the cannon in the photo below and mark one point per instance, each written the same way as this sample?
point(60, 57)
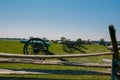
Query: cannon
point(71, 46)
point(35, 46)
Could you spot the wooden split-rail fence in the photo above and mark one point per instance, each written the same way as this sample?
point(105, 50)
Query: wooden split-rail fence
point(36, 59)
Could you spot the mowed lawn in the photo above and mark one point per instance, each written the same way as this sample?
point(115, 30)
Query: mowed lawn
point(15, 47)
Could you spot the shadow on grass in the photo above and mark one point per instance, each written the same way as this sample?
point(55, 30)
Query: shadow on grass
point(51, 53)
point(46, 71)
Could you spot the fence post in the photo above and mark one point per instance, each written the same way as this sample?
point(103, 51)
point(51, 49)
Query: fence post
point(115, 56)
point(114, 42)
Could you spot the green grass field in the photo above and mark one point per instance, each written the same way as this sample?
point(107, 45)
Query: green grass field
point(16, 47)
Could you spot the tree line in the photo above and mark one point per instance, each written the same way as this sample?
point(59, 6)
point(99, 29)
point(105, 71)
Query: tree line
point(62, 39)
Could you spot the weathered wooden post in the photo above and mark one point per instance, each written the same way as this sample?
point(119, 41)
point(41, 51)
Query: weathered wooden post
point(115, 57)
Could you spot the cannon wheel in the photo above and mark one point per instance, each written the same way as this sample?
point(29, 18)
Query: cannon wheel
point(68, 47)
point(35, 46)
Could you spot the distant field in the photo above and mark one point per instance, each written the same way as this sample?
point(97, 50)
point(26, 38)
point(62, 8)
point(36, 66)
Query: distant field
point(16, 48)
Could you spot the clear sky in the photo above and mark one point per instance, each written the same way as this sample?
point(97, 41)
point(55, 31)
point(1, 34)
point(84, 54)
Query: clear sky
point(73, 19)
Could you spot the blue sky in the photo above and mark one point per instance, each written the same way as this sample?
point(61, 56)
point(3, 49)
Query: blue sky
point(73, 19)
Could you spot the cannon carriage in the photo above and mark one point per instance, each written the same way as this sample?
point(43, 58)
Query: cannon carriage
point(71, 46)
point(35, 46)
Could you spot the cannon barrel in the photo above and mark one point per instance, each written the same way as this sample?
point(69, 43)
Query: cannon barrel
point(24, 41)
point(71, 42)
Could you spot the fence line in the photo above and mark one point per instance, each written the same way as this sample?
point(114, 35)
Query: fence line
point(20, 58)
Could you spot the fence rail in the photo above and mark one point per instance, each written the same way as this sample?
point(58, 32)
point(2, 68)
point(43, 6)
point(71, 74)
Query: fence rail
point(53, 56)
point(51, 62)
